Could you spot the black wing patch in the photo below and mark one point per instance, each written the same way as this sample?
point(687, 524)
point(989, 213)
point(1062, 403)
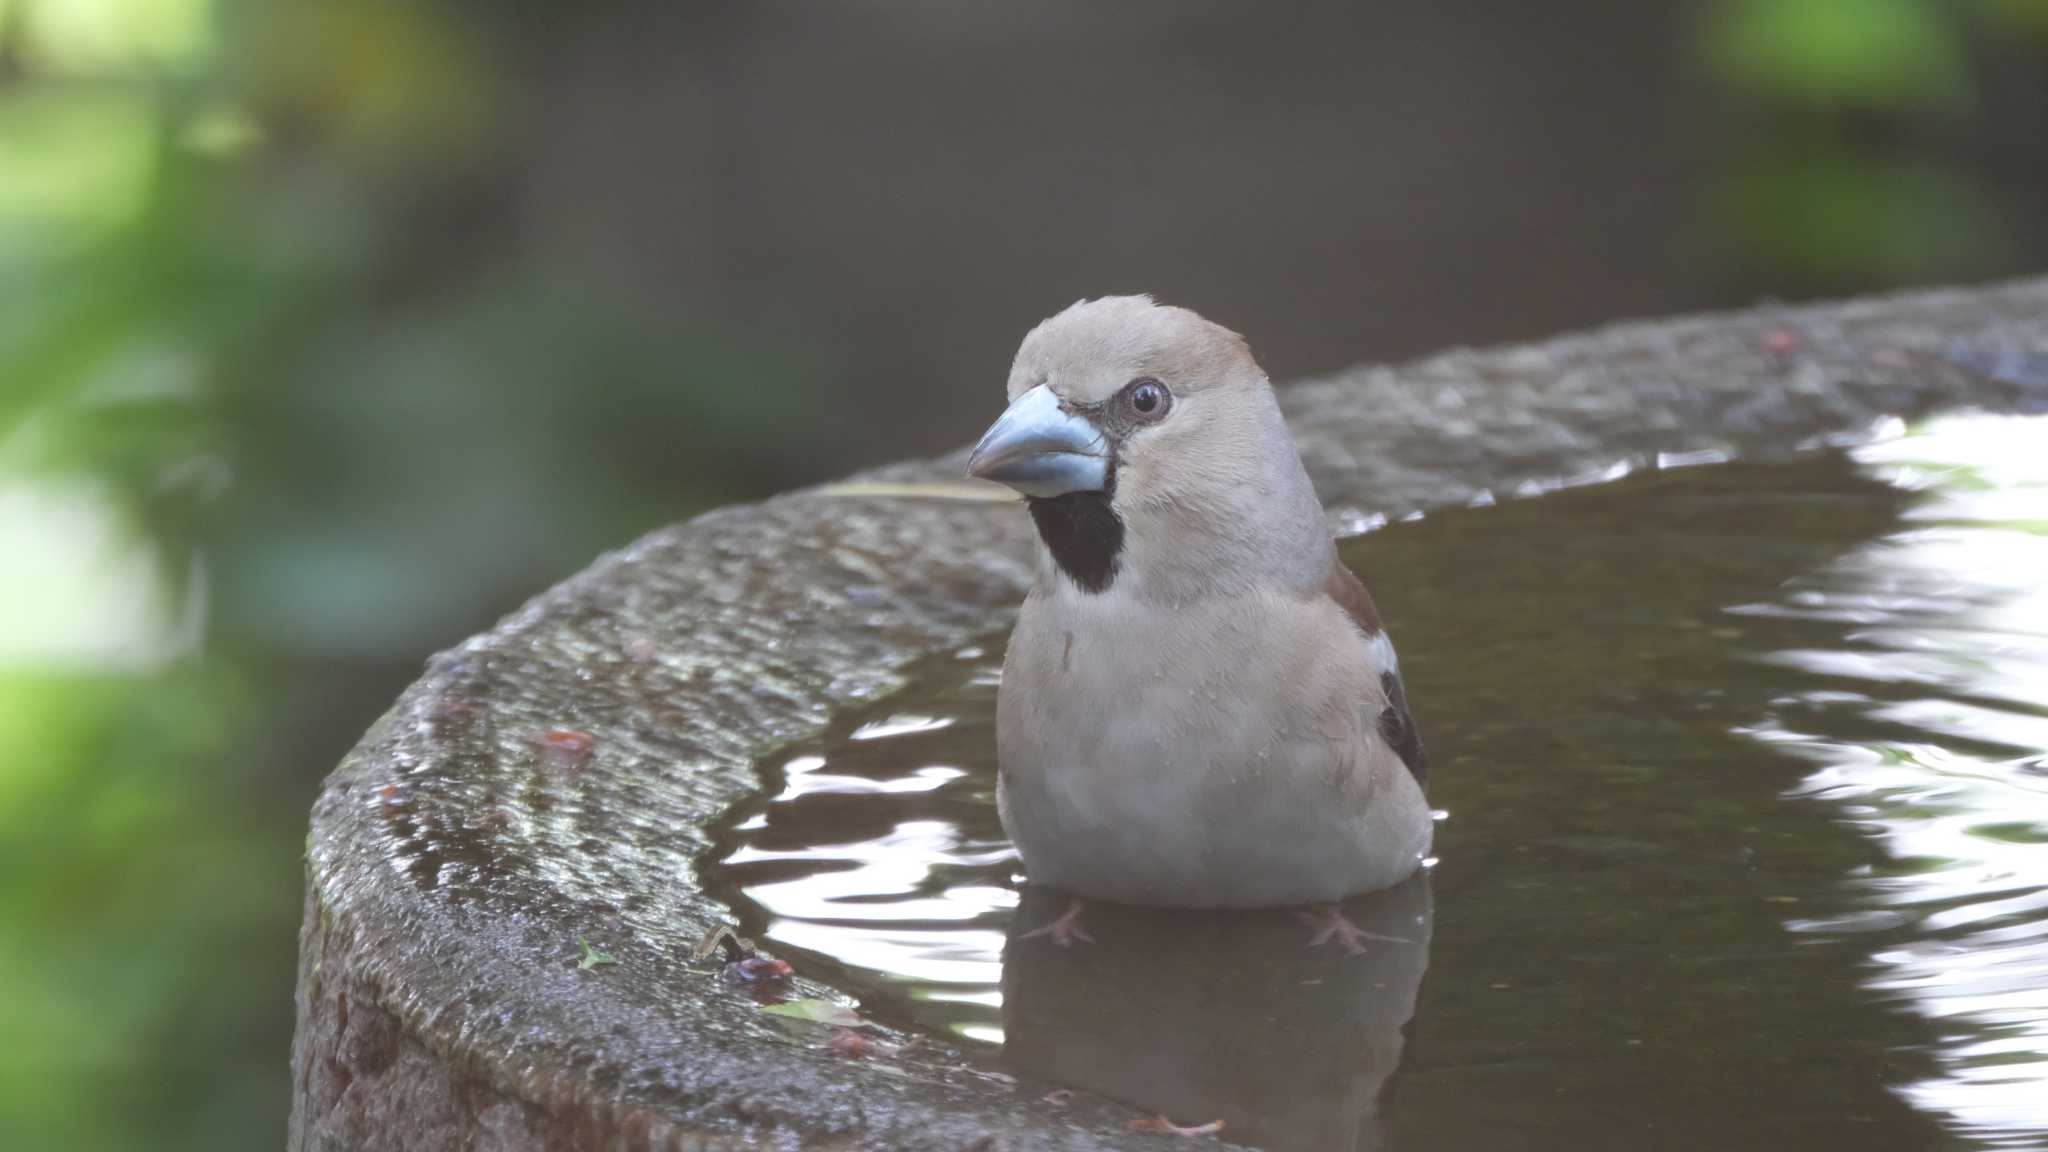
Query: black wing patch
point(1397, 728)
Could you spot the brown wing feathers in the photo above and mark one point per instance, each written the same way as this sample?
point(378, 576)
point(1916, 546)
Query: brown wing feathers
point(1396, 724)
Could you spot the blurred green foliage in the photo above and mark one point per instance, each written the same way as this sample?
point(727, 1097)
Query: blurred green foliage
point(1872, 53)
point(270, 364)
point(1861, 145)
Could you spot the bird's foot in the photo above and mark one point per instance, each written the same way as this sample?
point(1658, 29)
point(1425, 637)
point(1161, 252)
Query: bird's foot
point(1330, 923)
point(1064, 929)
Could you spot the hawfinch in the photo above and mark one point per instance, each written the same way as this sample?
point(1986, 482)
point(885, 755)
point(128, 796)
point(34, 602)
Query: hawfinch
point(1199, 705)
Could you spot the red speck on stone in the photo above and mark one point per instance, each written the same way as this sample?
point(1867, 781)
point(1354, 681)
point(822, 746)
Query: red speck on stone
point(1784, 342)
point(763, 968)
point(847, 1042)
point(566, 746)
point(391, 794)
point(449, 704)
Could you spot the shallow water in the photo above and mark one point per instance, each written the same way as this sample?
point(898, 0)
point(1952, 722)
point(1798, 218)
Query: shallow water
point(1747, 839)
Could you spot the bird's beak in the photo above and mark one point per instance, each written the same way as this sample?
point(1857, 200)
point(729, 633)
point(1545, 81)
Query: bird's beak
point(1040, 450)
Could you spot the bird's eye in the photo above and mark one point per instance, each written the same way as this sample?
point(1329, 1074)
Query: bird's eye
point(1148, 398)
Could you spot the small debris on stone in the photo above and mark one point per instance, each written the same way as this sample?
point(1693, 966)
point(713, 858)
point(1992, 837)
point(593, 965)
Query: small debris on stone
point(853, 1045)
point(718, 934)
point(1784, 341)
point(593, 956)
point(450, 704)
point(565, 747)
point(742, 965)
point(1162, 1124)
point(756, 970)
point(818, 1011)
point(1057, 1097)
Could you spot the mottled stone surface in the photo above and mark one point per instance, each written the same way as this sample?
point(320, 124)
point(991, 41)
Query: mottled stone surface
point(465, 846)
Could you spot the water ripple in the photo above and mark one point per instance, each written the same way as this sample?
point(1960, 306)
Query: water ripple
point(1937, 757)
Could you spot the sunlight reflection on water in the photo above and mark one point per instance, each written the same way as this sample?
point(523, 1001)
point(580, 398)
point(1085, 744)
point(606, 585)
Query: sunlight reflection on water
point(1942, 754)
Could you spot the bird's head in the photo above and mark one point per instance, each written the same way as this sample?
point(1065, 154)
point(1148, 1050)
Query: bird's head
point(1148, 443)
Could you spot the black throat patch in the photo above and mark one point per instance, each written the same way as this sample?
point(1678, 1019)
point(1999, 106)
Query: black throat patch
point(1083, 533)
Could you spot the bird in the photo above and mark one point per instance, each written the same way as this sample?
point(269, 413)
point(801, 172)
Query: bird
point(1200, 706)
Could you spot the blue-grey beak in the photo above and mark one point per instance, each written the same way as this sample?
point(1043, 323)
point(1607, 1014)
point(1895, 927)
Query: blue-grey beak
point(1040, 450)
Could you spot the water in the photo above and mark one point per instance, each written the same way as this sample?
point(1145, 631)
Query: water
point(1927, 715)
point(1747, 840)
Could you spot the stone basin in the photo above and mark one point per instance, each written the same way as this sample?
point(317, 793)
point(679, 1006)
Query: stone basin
point(543, 793)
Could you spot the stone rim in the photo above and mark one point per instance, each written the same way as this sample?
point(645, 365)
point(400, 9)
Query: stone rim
point(396, 982)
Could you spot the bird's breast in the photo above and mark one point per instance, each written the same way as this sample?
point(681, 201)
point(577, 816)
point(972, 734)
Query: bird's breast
point(1180, 748)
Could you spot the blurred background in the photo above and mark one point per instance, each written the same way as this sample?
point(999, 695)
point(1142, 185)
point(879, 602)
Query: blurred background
point(332, 329)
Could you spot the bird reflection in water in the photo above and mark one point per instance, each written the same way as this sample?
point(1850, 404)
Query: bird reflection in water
point(1202, 1016)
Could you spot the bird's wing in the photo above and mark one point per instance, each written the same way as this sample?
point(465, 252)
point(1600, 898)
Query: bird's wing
point(1396, 724)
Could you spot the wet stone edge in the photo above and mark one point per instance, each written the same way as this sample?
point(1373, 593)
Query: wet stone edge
point(429, 1018)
